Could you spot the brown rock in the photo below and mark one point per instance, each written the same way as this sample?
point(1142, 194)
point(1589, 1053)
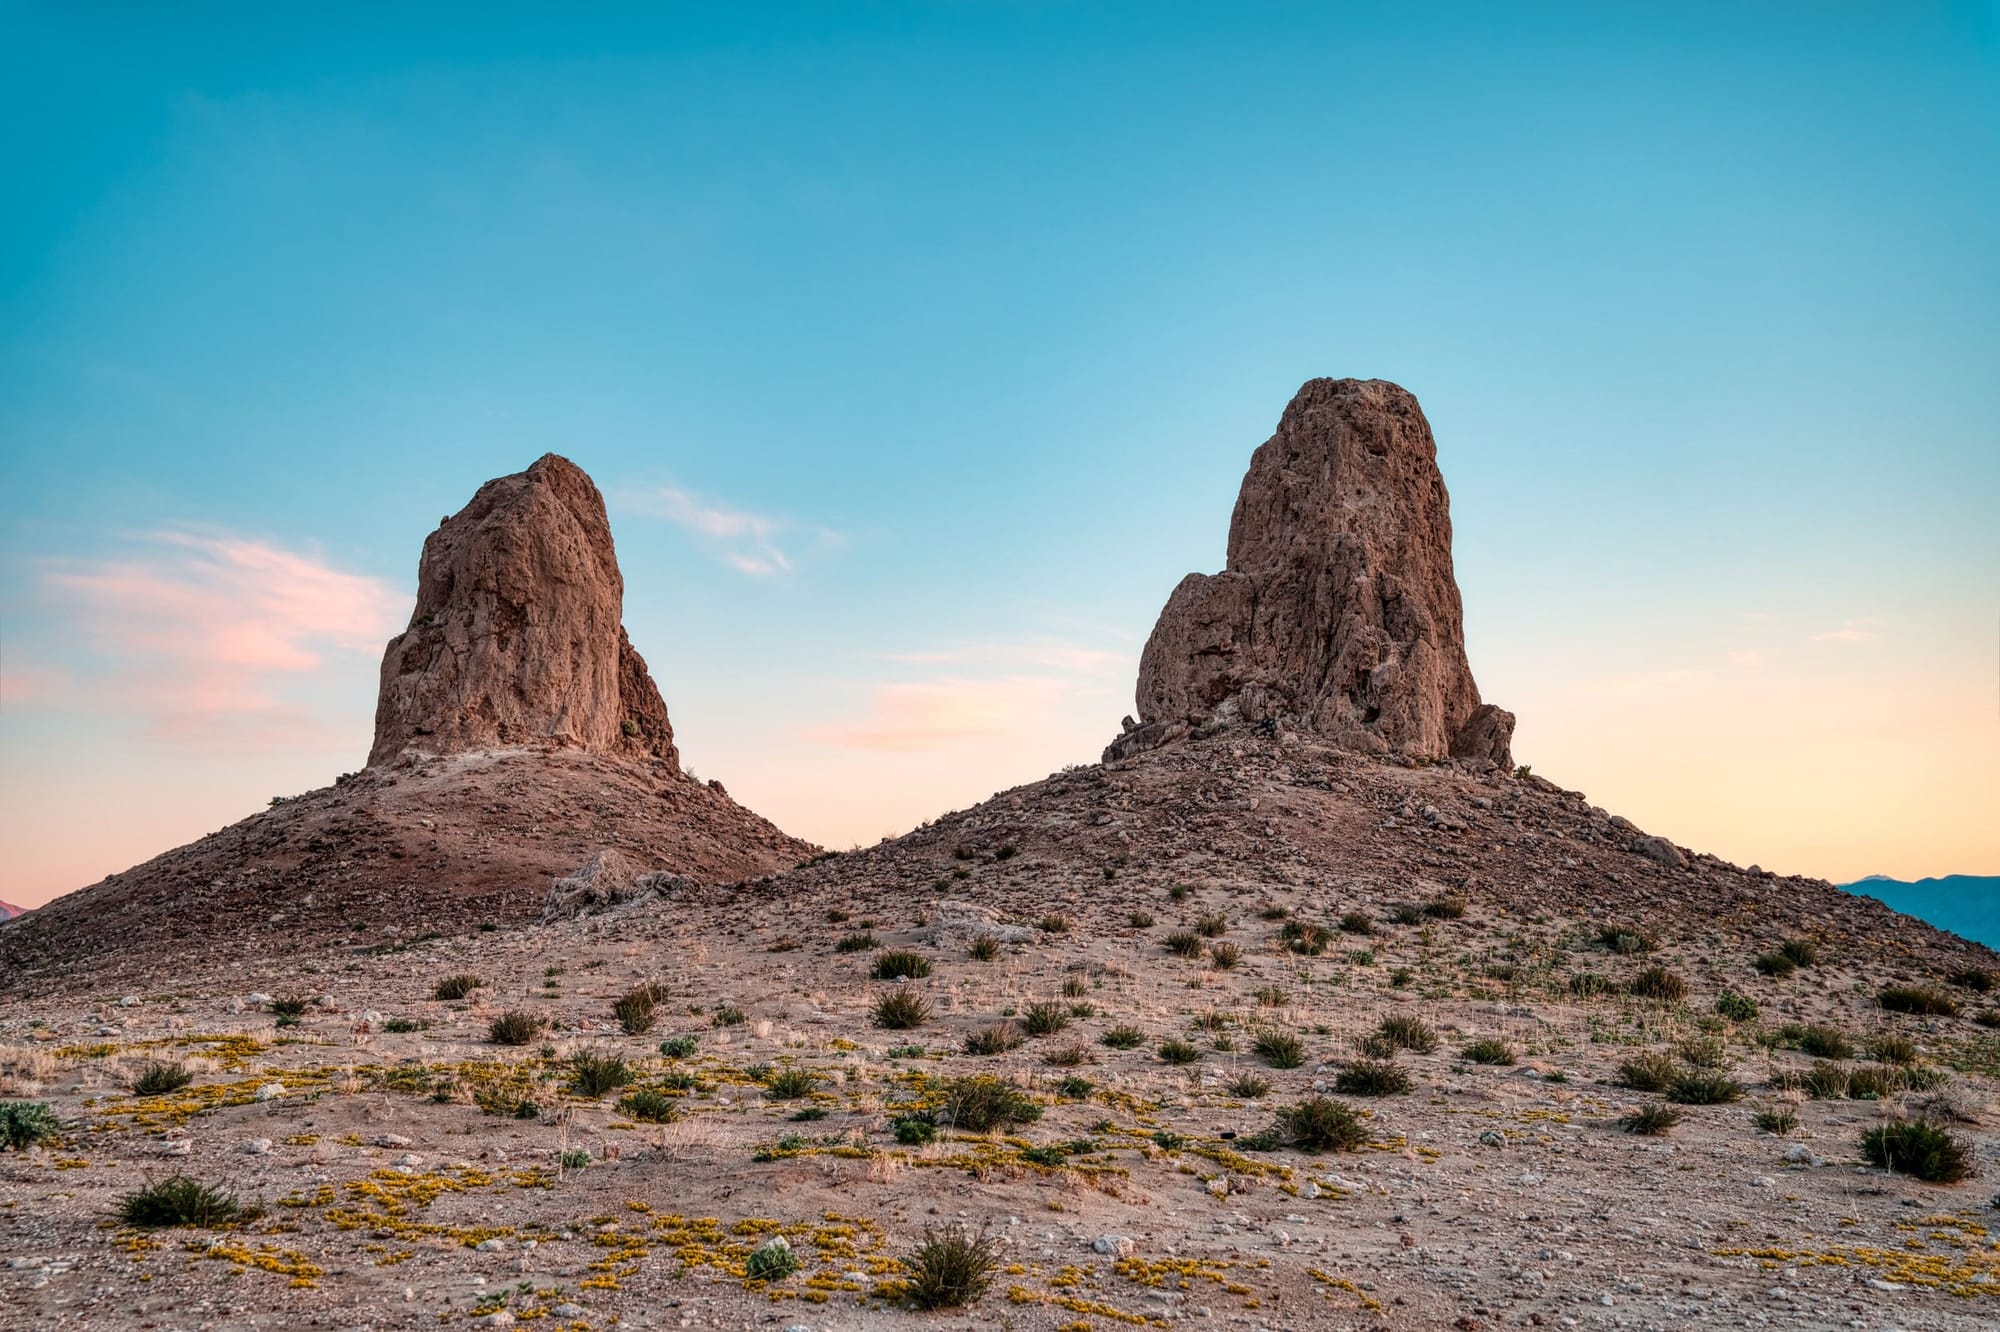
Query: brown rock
point(518, 637)
point(1337, 611)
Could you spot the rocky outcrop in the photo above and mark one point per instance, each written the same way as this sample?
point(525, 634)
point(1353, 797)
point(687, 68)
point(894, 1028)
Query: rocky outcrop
point(611, 878)
point(1337, 611)
point(518, 636)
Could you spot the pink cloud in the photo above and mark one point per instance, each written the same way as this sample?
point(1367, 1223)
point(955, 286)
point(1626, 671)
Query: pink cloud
point(757, 544)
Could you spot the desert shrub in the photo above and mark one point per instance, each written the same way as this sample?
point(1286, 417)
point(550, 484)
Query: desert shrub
point(1503, 971)
point(651, 1106)
point(680, 1047)
point(1140, 920)
point(1988, 1017)
point(1736, 1007)
point(1775, 965)
point(1075, 987)
point(593, 1073)
point(729, 1015)
point(1279, 1049)
point(1407, 913)
point(1704, 1089)
point(994, 1040)
point(1802, 952)
point(24, 1124)
point(981, 1104)
point(900, 963)
point(576, 1158)
point(1224, 955)
point(1212, 926)
point(514, 1027)
point(1777, 1119)
point(1892, 1048)
point(773, 1260)
point(791, 1084)
point(1045, 1019)
point(635, 1012)
point(914, 1130)
point(1589, 984)
point(1179, 1052)
point(1321, 1124)
point(1872, 1082)
point(1302, 938)
point(1075, 1088)
point(1275, 912)
point(1124, 1038)
point(1824, 1042)
point(1701, 1051)
point(159, 1079)
point(1357, 922)
point(1405, 1031)
point(178, 1201)
point(859, 942)
point(1651, 1120)
point(1446, 908)
point(1272, 996)
point(951, 1268)
point(456, 987)
point(1179, 892)
point(1248, 1086)
point(1918, 999)
point(1825, 1081)
point(1658, 984)
point(1372, 1077)
point(1625, 940)
point(902, 1010)
point(1650, 1072)
point(984, 948)
point(1186, 943)
point(1084, 1010)
point(1912, 1147)
point(398, 1026)
point(1053, 923)
point(292, 1006)
point(1488, 1051)
point(1976, 979)
point(1401, 977)
point(1924, 1078)
point(1074, 1055)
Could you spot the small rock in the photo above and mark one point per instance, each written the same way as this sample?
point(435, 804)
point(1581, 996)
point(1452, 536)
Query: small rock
point(1493, 1138)
point(391, 1140)
point(270, 1091)
point(490, 1245)
point(1116, 1246)
point(258, 1147)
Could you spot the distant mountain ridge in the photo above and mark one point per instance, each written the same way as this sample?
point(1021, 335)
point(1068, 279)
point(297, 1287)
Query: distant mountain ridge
point(8, 911)
point(1966, 904)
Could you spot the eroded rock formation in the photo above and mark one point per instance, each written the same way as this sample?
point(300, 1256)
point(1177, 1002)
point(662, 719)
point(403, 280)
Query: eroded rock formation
point(1337, 611)
point(518, 634)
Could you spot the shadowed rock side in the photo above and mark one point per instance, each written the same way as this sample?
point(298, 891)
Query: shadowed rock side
point(1337, 611)
point(518, 636)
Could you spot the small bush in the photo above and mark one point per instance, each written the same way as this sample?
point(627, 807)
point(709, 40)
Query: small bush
point(651, 1106)
point(1912, 1147)
point(159, 1079)
point(1777, 1119)
point(1302, 938)
point(1824, 1042)
point(1321, 1124)
point(994, 1040)
point(1651, 1120)
point(456, 987)
point(596, 1074)
point(1625, 941)
point(1488, 1051)
point(984, 948)
point(1702, 1052)
point(1775, 965)
point(179, 1201)
point(1649, 1072)
point(1372, 1077)
point(680, 1047)
point(1053, 923)
point(576, 1158)
point(1074, 1055)
point(952, 1268)
point(1179, 892)
point(1280, 1049)
point(914, 1130)
point(1224, 955)
point(1045, 1019)
point(859, 942)
point(514, 1028)
point(1976, 979)
point(1825, 1081)
point(791, 1084)
point(1357, 922)
point(1404, 1031)
point(1272, 996)
point(1185, 943)
point(1075, 987)
point(981, 1104)
point(1918, 999)
point(1446, 908)
point(1140, 920)
point(900, 963)
point(397, 1026)
point(1704, 1089)
point(773, 1260)
point(1802, 952)
point(1891, 1048)
point(1736, 1007)
point(1248, 1086)
point(24, 1124)
point(902, 1010)
point(729, 1015)
point(1212, 926)
point(294, 1006)
point(1407, 913)
point(1659, 985)
point(1074, 1088)
point(1179, 1052)
point(1124, 1038)
point(635, 1012)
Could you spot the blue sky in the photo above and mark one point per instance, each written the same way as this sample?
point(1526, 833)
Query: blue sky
point(919, 350)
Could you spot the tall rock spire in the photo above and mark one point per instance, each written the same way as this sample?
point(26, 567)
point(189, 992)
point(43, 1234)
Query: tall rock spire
point(1337, 611)
point(518, 634)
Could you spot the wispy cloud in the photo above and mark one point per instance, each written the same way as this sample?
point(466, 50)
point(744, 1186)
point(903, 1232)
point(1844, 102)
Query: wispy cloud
point(202, 629)
point(761, 545)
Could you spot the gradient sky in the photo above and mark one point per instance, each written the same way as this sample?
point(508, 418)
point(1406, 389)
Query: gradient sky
point(919, 350)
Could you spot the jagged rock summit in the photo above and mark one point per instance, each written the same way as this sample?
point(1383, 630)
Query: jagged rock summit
point(518, 635)
point(1337, 611)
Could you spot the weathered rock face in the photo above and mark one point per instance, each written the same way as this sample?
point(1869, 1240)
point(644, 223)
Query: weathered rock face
point(1337, 612)
point(518, 635)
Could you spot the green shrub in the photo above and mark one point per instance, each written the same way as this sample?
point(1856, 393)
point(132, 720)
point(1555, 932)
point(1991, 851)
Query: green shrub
point(635, 1012)
point(1704, 1089)
point(981, 1104)
point(1651, 1120)
point(1976, 979)
point(1224, 955)
point(1824, 1042)
point(1777, 1119)
point(1212, 926)
point(1825, 1081)
point(914, 1130)
point(791, 1084)
point(1918, 999)
point(456, 987)
point(1372, 1077)
point(1802, 952)
point(1404, 1031)
point(1736, 1007)
point(179, 1201)
point(514, 1028)
point(773, 1260)
point(294, 1006)
point(1775, 965)
point(680, 1047)
point(576, 1158)
point(996, 1039)
point(1045, 1019)
point(951, 1268)
point(900, 963)
point(1649, 1072)
point(902, 1010)
point(1407, 913)
point(1446, 908)
point(159, 1079)
point(1659, 985)
point(984, 948)
point(1279, 1049)
point(1185, 943)
point(24, 1124)
point(1248, 1086)
point(1357, 922)
point(1702, 1052)
point(1302, 938)
point(1179, 892)
point(1124, 1038)
point(859, 942)
point(594, 1073)
point(1140, 920)
point(651, 1106)
point(1589, 984)
point(398, 1026)
point(1075, 987)
point(1488, 1051)
point(1179, 1052)
point(1891, 1048)
point(1053, 923)
point(729, 1015)
point(1272, 996)
point(1321, 1124)
point(1075, 1089)
point(1074, 1055)
point(1625, 940)
point(1912, 1147)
